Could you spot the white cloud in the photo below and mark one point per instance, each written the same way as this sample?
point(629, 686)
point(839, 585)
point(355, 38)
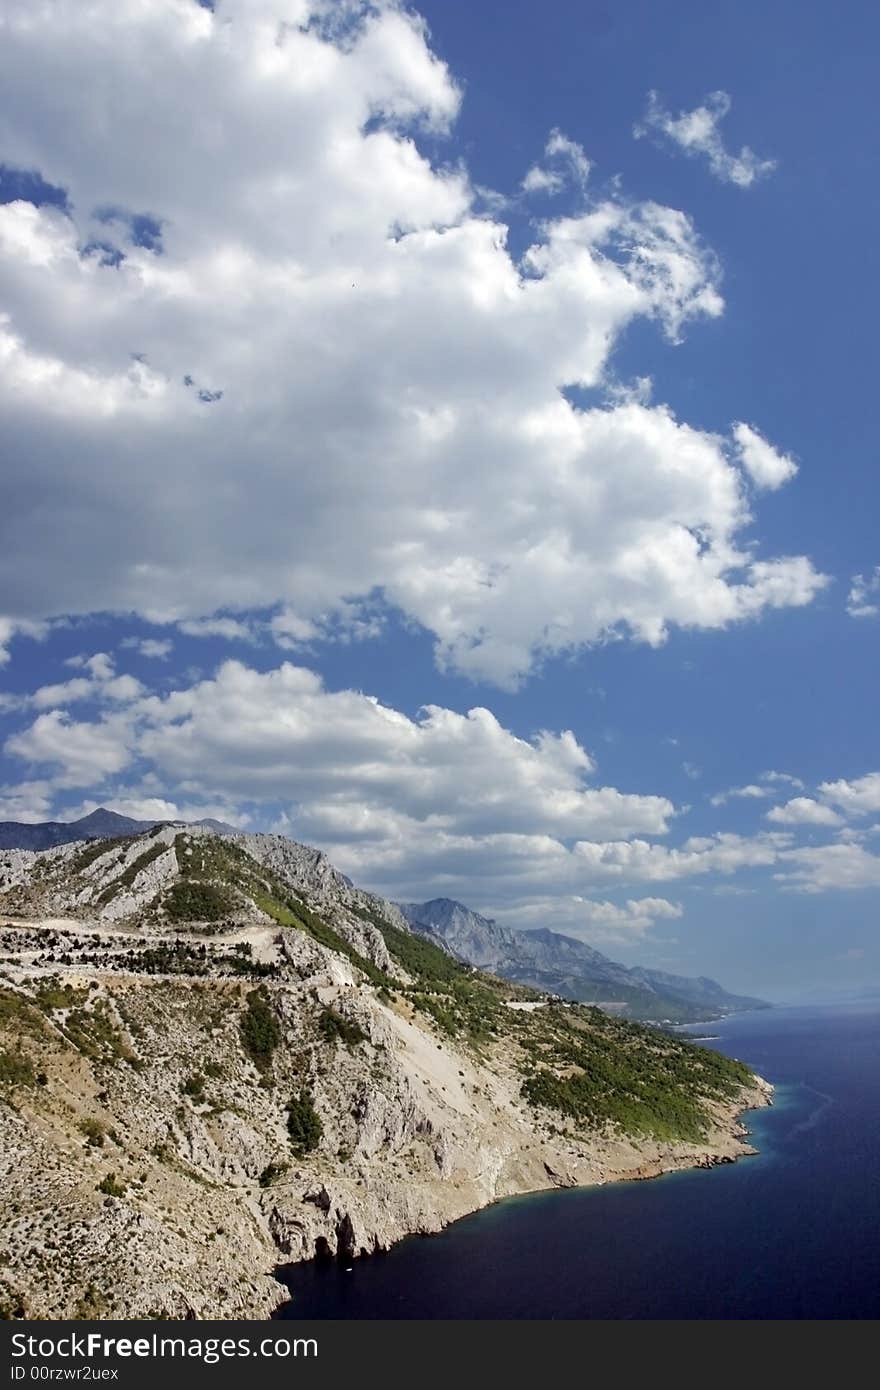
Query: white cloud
point(568, 161)
point(153, 648)
point(391, 424)
point(858, 798)
point(696, 133)
point(406, 804)
point(863, 600)
point(767, 468)
point(232, 629)
point(803, 810)
point(442, 804)
point(825, 868)
point(101, 683)
point(347, 621)
point(144, 807)
point(81, 754)
point(639, 861)
point(290, 631)
point(591, 919)
point(28, 801)
point(750, 792)
point(538, 180)
point(782, 777)
point(355, 765)
point(18, 627)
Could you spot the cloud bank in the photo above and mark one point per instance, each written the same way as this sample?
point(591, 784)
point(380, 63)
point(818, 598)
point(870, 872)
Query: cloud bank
point(262, 352)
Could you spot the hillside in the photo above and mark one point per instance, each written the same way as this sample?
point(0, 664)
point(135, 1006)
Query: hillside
point(217, 1056)
point(562, 965)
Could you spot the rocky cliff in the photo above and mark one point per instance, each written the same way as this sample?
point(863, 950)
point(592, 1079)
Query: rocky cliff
point(217, 1056)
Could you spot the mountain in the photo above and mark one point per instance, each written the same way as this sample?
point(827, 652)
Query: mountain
point(699, 990)
point(100, 824)
point(547, 960)
point(219, 1057)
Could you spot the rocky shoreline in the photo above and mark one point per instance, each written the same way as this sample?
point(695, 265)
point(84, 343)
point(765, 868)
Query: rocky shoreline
point(354, 1227)
point(148, 1167)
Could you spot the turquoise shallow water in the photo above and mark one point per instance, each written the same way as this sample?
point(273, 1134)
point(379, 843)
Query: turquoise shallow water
point(791, 1233)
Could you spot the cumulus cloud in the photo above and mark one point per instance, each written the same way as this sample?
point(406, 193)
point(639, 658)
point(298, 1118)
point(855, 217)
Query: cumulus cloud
point(767, 468)
point(311, 351)
point(697, 134)
point(358, 766)
point(803, 810)
point(860, 797)
point(823, 868)
point(863, 600)
point(153, 648)
point(100, 683)
point(78, 753)
point(444, 803)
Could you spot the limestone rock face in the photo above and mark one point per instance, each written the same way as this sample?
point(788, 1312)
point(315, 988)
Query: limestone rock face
point(152, 1071)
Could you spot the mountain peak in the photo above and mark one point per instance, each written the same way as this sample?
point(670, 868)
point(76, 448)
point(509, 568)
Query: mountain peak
point(563, 965)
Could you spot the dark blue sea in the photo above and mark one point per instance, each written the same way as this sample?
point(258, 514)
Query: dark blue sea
point(791, 1233)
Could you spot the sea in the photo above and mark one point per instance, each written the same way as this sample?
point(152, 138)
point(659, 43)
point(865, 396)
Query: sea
point(793, 1232)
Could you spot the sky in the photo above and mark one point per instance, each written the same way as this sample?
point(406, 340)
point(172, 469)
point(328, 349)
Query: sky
point(445, 436)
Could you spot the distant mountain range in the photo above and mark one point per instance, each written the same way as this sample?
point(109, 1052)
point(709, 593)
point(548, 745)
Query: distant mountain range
point(562, 965)
point(99, 825)
point(544, 959)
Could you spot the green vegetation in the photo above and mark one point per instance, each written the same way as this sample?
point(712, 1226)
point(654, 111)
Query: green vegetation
point(304, 1124)
point(193, 901)
point(94, 1131)
point(16, 1070)
point(274, 909)
point(51, 994)
point(19, 1016)
point(604, 1073)
point(94, 849)
point(459, 999)
point(260, 1029)
point(334, 1028)
point(190, 958)
point(316, 927)
point(271, 1173)
point(95, 1034)
point(111, 1186)
point(420, 958)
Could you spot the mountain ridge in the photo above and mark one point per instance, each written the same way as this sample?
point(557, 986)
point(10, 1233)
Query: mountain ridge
point(98, 824)
point(561, 964)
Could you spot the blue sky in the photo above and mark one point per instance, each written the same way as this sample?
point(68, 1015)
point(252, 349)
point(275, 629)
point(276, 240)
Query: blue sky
point(362, 372)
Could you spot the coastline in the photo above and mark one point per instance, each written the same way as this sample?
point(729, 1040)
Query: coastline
point(134, 1187)
point(607, 1161)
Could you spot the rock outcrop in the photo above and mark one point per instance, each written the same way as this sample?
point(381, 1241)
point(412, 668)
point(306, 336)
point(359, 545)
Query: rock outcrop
point(186, 1104)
